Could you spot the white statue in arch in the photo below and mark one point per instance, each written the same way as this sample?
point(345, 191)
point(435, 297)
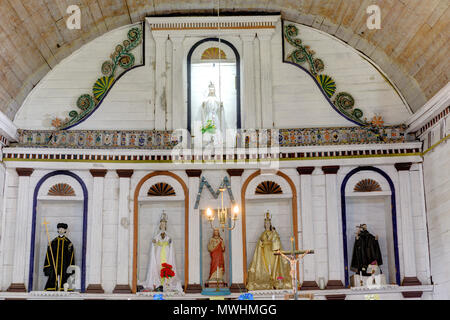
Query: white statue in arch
point(162, 252)
point(213, 119)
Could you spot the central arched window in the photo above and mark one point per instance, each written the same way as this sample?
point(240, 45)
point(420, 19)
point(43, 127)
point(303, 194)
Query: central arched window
point(213, 63)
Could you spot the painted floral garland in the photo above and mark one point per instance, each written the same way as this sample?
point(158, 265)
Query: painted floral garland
point(343, 101)
point(121, 57)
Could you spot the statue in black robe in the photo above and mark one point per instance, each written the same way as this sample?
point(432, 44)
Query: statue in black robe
point(60, 255)
point(365, 251)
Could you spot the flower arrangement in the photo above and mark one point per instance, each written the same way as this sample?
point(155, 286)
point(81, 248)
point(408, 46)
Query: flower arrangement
point(210, 127)
point(246, 296)
point(166, 271)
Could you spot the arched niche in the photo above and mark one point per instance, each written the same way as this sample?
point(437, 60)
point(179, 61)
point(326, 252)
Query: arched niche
point(69, 209)
point(201, 71)
point(283, 208)
point(147, 211)
point(377, 209)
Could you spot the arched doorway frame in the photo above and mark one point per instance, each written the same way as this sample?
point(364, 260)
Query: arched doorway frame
point(136, 226)
point(243, 210)
point(393, 214)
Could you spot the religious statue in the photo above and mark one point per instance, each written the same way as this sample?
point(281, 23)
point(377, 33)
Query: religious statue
point(161, 258)
point(268, 271)
point(216, 248)
point(212, 119)
point(60, 255)
point(366, 251)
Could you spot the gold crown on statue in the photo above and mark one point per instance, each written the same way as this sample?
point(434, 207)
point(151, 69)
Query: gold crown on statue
point(211, 85)
point(268, 217)
point(163, 217)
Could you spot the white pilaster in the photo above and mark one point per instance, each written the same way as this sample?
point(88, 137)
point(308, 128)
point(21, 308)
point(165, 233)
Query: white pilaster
point(266, 79)
point(96, 232)
point(257, 81)
point(237, 262)
point(23, 208)
point(409, 256)
point(307, 225)
point(335, 265)
point(160, 80)
point(420, 225)
point(194, 229)
point(123, 232)
point(177, 81)
point(248, 81)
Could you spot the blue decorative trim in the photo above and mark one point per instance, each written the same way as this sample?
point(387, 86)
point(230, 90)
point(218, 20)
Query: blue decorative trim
point(215, 194)
point(33, 226)
point(394, 219)
point(238, 80)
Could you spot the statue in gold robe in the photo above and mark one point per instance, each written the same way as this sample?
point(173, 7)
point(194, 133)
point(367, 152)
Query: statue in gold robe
point(268, 271)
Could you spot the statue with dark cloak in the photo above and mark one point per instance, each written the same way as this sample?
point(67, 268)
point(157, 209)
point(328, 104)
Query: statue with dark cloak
point(366, 250)
point(60, 255)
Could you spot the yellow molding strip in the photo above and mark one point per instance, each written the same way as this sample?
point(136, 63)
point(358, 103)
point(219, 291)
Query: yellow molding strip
point(223, 161)
point(435, 145)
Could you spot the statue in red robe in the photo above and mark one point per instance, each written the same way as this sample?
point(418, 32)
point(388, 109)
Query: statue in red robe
point(216, 248)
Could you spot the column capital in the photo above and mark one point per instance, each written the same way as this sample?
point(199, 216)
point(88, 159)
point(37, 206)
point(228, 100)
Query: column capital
point(248, 37)
point(176, 37)
point(265, 36)
point(403, 166)
point(194, 173)
point(24, 172)
point(160, 36)
point(305, 170)
point(98, 173)
point(235, 172)
point(330, 169)
point(124, 173)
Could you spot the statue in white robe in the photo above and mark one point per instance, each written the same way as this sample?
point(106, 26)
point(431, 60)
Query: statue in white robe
point(161, 251)
point(213, 119)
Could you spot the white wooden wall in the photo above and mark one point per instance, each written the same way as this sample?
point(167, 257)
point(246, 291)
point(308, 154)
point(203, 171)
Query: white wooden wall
point(133, 97)
point(437, 188)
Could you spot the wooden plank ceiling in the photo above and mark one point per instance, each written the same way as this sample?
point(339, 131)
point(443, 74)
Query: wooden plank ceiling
point(412, 47)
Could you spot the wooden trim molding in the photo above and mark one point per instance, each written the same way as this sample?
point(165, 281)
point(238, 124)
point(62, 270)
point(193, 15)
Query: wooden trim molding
point(411, 281)
point(17, 287)
point(98, 173)
point(330, 169)
point(136, 228)
point(243, 209)
point(235, 172)
point(122, 288)
point(194, 173)
point(309, 285)
point(336, 297)
point(24, 172)
point(334, 285)
point(95, 288)
point(405, 166)
point(124, 173)
point(305, 170)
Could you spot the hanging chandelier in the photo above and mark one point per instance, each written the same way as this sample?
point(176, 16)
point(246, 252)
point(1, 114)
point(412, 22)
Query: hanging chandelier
point(222, 215)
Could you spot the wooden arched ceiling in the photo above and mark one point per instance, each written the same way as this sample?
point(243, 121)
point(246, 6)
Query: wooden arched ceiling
point(412, 47)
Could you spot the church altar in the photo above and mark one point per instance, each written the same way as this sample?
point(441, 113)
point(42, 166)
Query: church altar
point(180, 115)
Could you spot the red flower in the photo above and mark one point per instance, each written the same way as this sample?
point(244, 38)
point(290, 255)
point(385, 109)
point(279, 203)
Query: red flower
point(166, 271)
point(166, 265)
